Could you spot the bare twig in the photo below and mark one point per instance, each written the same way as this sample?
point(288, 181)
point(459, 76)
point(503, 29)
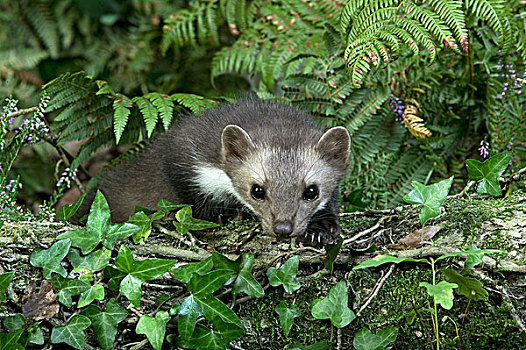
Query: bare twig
point(22, 112)
point(361, 234)
point(376, 289)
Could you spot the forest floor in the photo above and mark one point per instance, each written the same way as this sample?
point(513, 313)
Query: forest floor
point(381, 297)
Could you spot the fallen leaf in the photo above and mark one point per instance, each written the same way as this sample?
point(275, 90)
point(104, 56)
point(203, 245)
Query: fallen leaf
point(416, 239)
point(42, 304)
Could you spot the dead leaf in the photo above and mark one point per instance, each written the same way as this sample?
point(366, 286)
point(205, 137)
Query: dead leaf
point(41, 305)
point(416, 239)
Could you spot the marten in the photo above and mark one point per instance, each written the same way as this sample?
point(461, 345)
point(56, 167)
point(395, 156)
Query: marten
point(267, 158)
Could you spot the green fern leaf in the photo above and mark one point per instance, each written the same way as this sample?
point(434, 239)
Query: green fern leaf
point(121, 107)
point(450, 11)
point(193, 102)
point(164, 105)
point(149, 113)
point(40, 15)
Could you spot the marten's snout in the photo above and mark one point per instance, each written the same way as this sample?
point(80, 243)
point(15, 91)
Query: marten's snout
point(283, 228)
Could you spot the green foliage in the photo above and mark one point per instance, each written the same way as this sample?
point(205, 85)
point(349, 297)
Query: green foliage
point(489, 172)
point(432, 197)
point(365, 340)
point(5, 280)
point(9, 341)
point(154, 328)
point(137, 272)
point(286, 316)
point(469, 287)
point(285, 275)
point(49, 259)
point(185, 272)
point(186, 222)
point(72, 333)
point(68, 287)
point(99, 228)
point(105, 323)
point(334, 306)
point(442, 292)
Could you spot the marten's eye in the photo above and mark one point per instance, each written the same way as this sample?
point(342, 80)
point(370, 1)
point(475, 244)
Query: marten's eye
point(257, 192)
point(311, 193)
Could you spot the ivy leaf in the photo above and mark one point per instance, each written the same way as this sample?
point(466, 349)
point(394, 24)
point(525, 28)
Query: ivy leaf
point(98, 223)
point(286, 275)
point(334, 306)
point(469, 287)
point(68, 287)
point(209, 282)
point(9, 341)
point(186, 222)
point(14, 322)
point(117, 233)
point(49, 259)
point(138, 272)
point(5, 280)
point(105, 323)
point(185, 272)
point(432, 197)
point(385, 259)
point(245, 282)
point(365, 340)
point(68, 210)
point(154, 328)
point(144, 225)
point(472, 260)
point(115, 278)
point(189, 311)
point(202, 288)
point(441, 292)
point(93, 262)
point(87, 297)
point(168, 206)
point(286, 316)
point(489, 172)
point(73, 333)
point(332, 253)
point(219, 337)
point(121, 108)
point(316, 346)
point(35, 334)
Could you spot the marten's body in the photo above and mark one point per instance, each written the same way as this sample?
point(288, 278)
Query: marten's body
point(266, 158)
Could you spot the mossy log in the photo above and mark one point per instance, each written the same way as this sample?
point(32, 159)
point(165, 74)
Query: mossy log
point(389, 295)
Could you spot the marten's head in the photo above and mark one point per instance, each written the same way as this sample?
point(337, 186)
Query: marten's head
point(285, 183)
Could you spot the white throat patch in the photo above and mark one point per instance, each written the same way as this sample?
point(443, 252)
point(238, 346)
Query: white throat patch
point(215, 183)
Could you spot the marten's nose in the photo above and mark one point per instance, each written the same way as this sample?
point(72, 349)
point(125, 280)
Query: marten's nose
point(283, 228)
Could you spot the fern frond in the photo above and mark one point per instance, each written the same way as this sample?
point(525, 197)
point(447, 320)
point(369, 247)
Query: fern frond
point(41, 17)
point(411, 166)
point(149, 113)
point(164, 105)
point(68, 89)
point(193, 102)
point(90, 146)
point(121, 108)
point(450, 11)
point(21, 58)
point(413, 122)
point(432, 22)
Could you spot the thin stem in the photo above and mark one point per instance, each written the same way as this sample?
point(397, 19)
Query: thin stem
point(435, 305)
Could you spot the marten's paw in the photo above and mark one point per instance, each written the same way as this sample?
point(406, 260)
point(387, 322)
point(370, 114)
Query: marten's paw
point(323, 229)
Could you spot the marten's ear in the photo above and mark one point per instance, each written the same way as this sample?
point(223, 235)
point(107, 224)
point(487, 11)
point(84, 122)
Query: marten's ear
point(334, 147)
point(236, 144)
